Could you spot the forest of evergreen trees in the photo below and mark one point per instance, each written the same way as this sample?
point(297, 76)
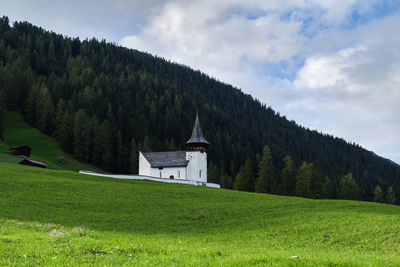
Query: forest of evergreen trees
point(304, 181)
point(104, 103)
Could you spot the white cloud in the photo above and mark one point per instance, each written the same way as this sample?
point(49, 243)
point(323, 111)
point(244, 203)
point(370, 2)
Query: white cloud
point(332, 72)
point(360, 88)
point(215, 39)
point(85, 19)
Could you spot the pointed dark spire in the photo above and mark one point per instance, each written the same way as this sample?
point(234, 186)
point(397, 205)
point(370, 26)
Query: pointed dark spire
point(197, 139)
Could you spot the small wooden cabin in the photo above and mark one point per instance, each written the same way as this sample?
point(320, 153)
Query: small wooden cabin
point(21, 151)
point(33, 163)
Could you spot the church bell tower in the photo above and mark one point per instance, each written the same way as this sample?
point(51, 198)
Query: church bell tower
point(197, 142)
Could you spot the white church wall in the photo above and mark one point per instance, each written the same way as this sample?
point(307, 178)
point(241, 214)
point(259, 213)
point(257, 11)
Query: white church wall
point(144, 166)
point(197, 166)
point(166, 172)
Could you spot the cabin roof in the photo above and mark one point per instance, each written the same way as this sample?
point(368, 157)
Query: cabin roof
point(20, 147)
point(166, 159)
point(23, 162)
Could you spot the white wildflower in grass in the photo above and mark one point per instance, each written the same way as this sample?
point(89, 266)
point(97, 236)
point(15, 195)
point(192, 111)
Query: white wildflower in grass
point(294, 257)
point(58, 233)
point(38, 225)
point(79, 229)
point(50, 225)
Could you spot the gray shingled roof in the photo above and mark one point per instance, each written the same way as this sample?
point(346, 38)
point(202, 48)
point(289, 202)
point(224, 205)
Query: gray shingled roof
point(166, 159)
point(197, 134)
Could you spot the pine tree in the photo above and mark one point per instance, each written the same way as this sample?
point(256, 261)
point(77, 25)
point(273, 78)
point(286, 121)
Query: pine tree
point(241, 182)
point(309, 182)
point(302, 181)
point(81, 136)
point(390, 195)
point(266, 180)
point(66, 131)
point(45, 111)
point(378, 195)
point(226, 181)
point(146, 145)
point(316, 182)
point(349, 188)
point(134, 158)
point(61, 108)
point(213, 175)
point(244, 177)
point(2, 114)
point(95, 146)
point(288, 177)
point(31, 104)
point(107, 160)
point(327, 189)
point(51, 55)
point(120, 159)
point(11, 88)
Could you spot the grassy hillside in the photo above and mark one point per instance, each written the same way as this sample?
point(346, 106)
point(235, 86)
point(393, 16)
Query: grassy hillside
point(50, 217)
point(44, 148)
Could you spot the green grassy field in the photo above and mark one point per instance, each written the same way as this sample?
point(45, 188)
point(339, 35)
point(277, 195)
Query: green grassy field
point(44, 148)
point(50, 217)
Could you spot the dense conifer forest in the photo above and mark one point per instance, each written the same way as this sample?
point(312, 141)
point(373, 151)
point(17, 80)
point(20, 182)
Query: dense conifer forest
point(104, 103)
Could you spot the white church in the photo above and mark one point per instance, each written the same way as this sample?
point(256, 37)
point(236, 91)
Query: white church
point(180, 166)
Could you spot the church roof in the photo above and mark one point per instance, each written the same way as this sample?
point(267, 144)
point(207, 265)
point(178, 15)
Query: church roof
point(166, 159)
point(197, 134)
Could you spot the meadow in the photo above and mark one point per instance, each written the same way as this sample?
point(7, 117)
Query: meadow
point(56, 217)
point(53, 217)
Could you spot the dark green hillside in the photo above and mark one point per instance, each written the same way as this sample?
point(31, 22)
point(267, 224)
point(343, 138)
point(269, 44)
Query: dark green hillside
point(57, 218)
point(44, 148)
point(104, 103)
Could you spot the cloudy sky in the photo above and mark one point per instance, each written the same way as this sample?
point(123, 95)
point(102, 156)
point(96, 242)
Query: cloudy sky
point(330, 65)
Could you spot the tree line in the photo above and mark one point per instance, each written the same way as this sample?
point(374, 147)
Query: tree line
point(2, 116)
point(104, 103)
point(291, 180)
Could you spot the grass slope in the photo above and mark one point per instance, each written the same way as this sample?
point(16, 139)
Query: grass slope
point(44, 148)
point(50, 217)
